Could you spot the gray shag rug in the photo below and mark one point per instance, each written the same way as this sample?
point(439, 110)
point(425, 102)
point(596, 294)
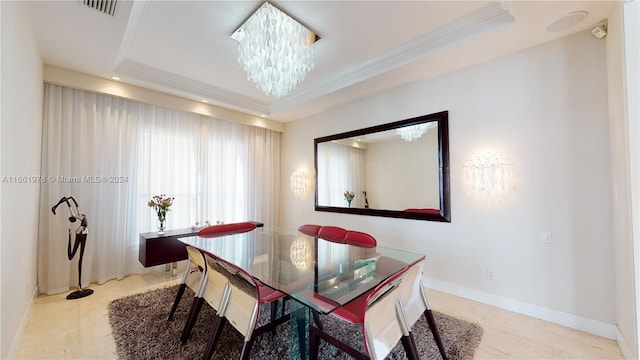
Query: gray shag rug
point(141, 331)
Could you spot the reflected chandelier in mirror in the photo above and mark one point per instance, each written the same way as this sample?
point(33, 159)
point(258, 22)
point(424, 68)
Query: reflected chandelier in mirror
point(400, 170)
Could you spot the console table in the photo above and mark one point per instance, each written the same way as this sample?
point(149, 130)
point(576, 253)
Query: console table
point(157, 249)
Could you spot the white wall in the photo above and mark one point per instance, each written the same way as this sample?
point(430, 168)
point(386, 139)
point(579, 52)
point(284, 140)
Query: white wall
point(619, 132)
point(21, 131)
point(391, 165)
point(546, 109)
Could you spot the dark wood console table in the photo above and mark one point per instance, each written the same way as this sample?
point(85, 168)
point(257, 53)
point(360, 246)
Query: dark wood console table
point(155, 249)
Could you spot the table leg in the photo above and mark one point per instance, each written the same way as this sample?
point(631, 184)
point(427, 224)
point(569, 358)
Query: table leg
point(299, 331)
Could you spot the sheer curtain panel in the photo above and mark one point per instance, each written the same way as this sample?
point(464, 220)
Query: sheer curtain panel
point(340, 168)
point(112, 155)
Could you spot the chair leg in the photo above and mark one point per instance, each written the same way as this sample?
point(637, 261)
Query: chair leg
point(284, 304)
point(321, 335)
point(314, 344)
point(177, 300)
point(246, 349)
point(316, 319)
point(410, 347)
point(218, 325)
point(191, 320)
point(436, 334)
point(274, 311)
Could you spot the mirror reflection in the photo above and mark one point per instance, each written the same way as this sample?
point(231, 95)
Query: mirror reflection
point(397, 169)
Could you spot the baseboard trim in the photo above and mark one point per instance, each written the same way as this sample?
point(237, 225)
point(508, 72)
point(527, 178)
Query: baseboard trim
point(573, 321)
point(626, 349)
point(23, 326)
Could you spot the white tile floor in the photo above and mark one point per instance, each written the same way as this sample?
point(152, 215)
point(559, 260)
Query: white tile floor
point(79, 329)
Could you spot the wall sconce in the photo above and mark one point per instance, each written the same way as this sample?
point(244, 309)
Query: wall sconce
point(300, 181)
point(488, 176)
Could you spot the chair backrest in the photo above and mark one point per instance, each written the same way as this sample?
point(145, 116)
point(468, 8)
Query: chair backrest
point(332, 233)
point(225, 229)
point(240, 304)
point(382, 333)
point(309, 229)
point(217, 286)
point(359, 238)
point(412, 293)
point(196, 259)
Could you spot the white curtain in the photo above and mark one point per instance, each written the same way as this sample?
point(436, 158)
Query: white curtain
point(112, 155)
point(340, 168)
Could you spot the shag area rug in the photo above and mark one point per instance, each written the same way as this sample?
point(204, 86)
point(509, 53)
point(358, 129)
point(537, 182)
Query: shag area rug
point(141, 331)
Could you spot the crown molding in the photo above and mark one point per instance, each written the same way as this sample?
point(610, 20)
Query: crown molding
point(488, 18)
point(172, 83)
point(485, 19)
point(76, 80)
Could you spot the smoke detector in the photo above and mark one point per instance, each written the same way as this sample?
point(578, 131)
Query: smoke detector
point(567, 21)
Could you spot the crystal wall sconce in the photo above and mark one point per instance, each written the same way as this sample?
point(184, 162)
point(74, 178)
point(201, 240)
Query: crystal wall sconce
point(489, 176)
point(300, 181)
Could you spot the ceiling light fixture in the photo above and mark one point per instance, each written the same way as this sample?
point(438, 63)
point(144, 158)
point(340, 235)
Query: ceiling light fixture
point(274, 50)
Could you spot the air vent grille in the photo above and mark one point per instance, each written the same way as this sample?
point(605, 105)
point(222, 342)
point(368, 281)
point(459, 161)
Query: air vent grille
point(104, 6)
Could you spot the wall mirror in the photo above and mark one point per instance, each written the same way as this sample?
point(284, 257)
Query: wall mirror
point(400, 170)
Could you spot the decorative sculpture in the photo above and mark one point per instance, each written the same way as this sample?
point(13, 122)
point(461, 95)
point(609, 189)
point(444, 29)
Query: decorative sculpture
point(80, 241)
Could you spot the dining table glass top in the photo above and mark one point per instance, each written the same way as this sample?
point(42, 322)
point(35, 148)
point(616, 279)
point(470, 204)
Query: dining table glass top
point(319, 273)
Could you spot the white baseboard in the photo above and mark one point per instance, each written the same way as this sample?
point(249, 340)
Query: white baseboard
point(23, 326)
point(596, 327)
point(626, 349)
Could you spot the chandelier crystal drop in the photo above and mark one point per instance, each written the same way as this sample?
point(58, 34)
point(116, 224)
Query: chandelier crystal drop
point(274, 50)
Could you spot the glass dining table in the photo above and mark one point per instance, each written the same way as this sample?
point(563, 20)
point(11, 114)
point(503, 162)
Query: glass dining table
point(319, 274)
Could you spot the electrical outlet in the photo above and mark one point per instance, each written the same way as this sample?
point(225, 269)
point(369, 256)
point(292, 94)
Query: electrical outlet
point(545, 236)
point(491, 273)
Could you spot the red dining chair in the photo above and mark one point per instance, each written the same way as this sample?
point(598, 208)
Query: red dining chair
point(332, 233)
point(360, 239)
point(226, 229)
point(240, 306)
point(309, 229)
point(380, 324)
point(414, 304)
point(195, 277)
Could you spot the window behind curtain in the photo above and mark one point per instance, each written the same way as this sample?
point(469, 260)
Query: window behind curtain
point(215, 169)
point(341, 168)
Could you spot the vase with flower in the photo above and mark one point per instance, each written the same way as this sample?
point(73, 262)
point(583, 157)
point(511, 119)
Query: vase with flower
point(161, 204)
point(349, 195)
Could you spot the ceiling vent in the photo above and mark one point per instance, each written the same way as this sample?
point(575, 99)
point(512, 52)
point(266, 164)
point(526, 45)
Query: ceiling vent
point(104, 6)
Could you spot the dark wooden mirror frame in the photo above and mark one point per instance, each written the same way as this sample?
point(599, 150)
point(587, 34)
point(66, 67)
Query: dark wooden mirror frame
point(442, 118)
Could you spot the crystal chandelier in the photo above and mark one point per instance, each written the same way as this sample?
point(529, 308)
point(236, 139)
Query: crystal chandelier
point(274, 50)
point(414, 132)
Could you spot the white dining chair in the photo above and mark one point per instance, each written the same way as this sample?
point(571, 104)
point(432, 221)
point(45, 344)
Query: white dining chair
point(377, 314)
point(240, 305)
point(195, 277)
point(413, 304)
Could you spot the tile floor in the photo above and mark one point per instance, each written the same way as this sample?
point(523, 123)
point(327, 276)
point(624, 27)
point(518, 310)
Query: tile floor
point(79, 329)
